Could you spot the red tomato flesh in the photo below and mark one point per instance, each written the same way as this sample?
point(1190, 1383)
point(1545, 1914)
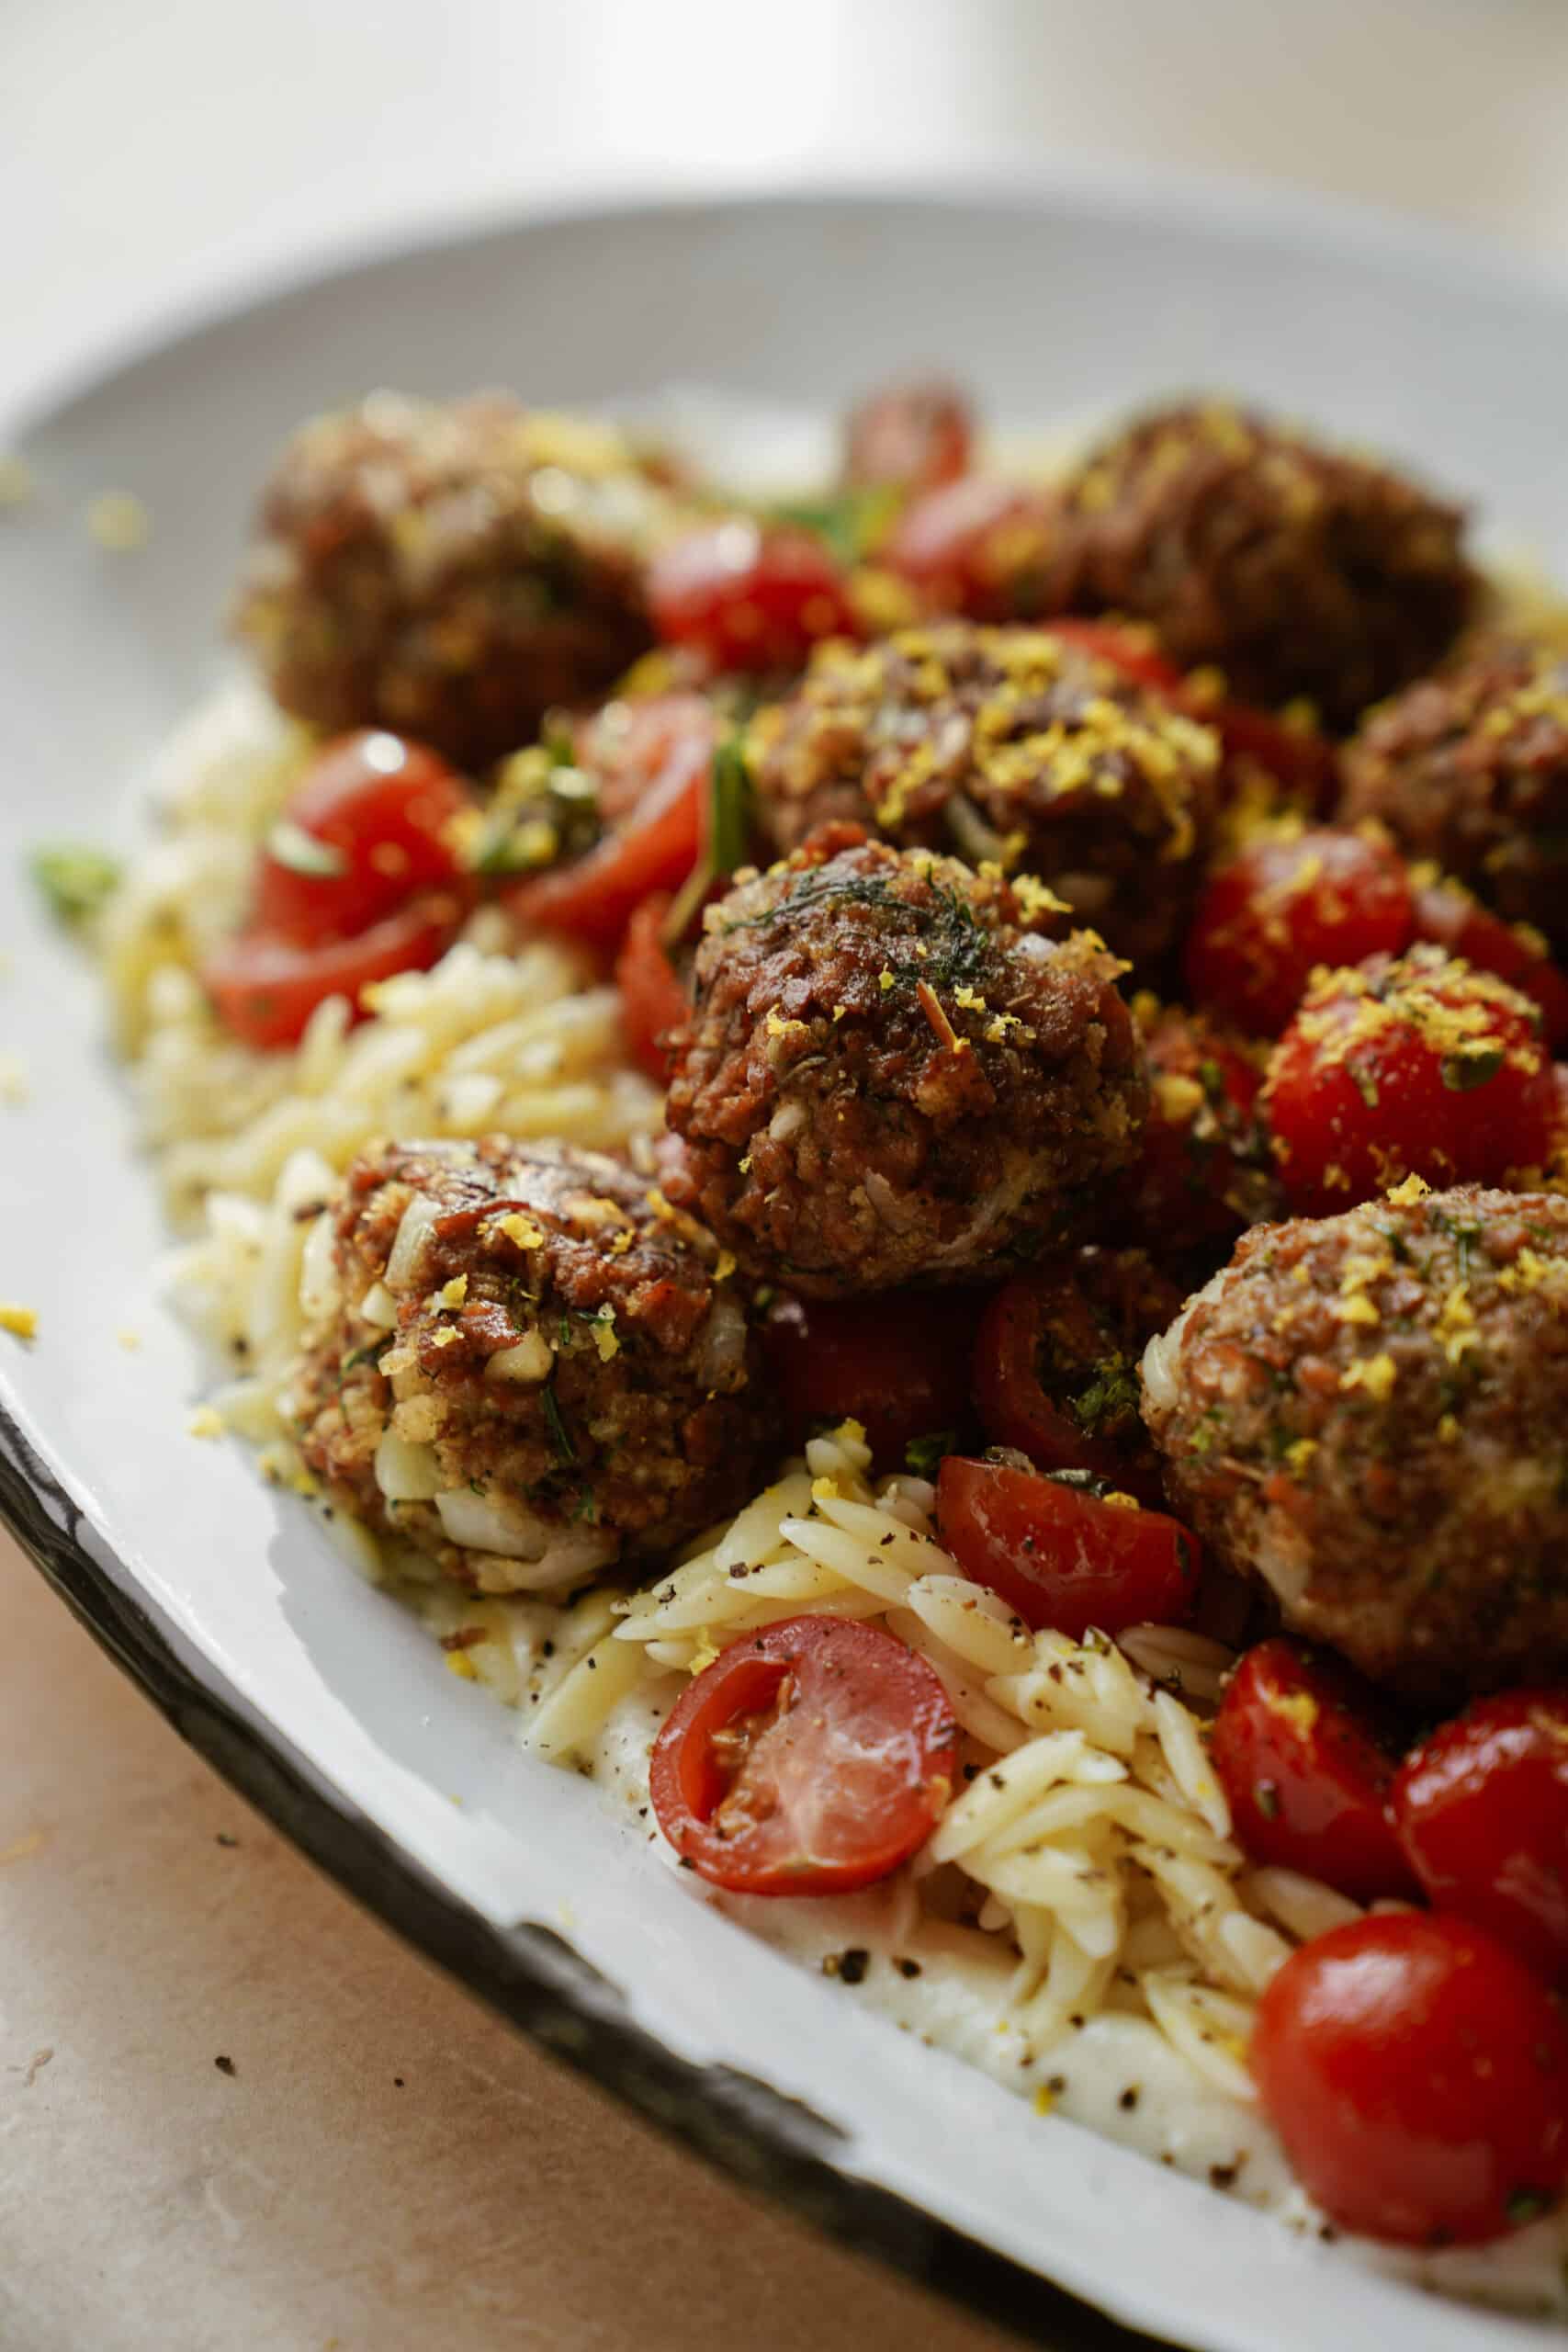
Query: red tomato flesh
point(898, 1364)
point(976, 546)
point(912, 437)
point(594, 898)
point(1417, 1067)
point(1481, 1807)
point(1418, 2074)
point(1296, 1748)
point(381, 813)
point(266, 986)
point(1445, 913)
point(1055, 1380)
point(653, 1002)
point(1060, 1555)
point(747, 598)
point(1280, 909)
point(812, 1757)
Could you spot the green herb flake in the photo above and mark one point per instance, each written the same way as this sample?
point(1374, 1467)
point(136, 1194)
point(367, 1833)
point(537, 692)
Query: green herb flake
point(75, 881)
point(923, 1454)
point(289, 844)
point(1464, 1071)
point(561, 1436)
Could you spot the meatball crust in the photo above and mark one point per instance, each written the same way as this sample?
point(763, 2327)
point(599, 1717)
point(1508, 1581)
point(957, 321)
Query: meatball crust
point(1003, 743)
point(451, 569)
point(565, 1369)
point(889, 1075)
point(1371, 1412)
point(1297, 570)
point(1471, 768)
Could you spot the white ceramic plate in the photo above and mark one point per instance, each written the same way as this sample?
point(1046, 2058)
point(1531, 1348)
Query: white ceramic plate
point(315, 1693)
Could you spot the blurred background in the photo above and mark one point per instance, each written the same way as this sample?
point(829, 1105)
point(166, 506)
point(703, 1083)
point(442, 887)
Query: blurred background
point(234, 2115)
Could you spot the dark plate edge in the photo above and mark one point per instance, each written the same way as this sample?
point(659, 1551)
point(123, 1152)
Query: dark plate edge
point(756, 2137)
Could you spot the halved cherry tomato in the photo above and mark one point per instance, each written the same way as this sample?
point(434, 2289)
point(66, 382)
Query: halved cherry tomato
point(1297, 1750)
point(1059, 1555)
point(1056, 1365)
point(1273, 914)
point(594, 898)
point(812, 1757)
point(627, 746)
point(653, 1002)
point(1446, 912)
point(266, 987)
point(977, 545)
point(369, 826)
point(1419, 1066)
point(1481, 1807)
point(901, 1370)
point(749, 598)
point(911, 436)
point(1418, 2074)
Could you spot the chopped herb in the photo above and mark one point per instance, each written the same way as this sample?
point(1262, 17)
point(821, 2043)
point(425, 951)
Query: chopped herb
point(289, 844)
point(1113, 1396)
point(75, 881)
point(1526, 2205)
point(851, 521)
point(922, 1455)
point(561, 1436)
point(1462, 1072)
point(726, 834)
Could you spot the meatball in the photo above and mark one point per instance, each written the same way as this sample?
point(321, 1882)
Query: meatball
point(888, 1075)
point(450, 570)
point(1002, 743)
point(1471, 768)
point(1371, 1412)
point(1297, 570)
point(531, 1364)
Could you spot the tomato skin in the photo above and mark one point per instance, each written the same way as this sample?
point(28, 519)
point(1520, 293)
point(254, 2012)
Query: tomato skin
point(1045, 1345)
point(266, 987)
point(1296, 1749)
point(1270, 916)
point(1059, 1555)
point(747, 597)
point(594, 898)
point(385, 808)
point(653, 1002)
point(1418, 2074)
point(1446, 914)
point(976, 546)
point(1359, 1097)
point(911, 436)
point(848, 1755)
point(901, 1370)
point(1481, 1809)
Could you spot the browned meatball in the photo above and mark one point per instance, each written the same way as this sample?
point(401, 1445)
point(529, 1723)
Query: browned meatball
point(451, 570)
point(1471, 768)
point(1297, 570)
point(1002, 743)
point(889, 1075)
point(1371, 1412)
point(535, 1367)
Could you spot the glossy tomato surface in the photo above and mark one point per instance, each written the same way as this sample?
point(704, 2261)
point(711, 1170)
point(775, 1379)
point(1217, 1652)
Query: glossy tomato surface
point(976, 546)
point(653, 1003)
point(1448, 914)
point(266, 987)
point(372, 823)
point(898, 1364)
point(1417, 2073)
point(594, 898)
point(749, 597)
point(1285, 906)
point(812, 1757)
point(1061, 1555)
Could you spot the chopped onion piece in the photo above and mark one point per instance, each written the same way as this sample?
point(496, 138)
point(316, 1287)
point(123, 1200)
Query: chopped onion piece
point(407, 1473)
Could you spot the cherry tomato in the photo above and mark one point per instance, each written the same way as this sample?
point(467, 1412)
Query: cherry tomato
point(628, 746)
point(1202, 1169)
point(812, 1757)
point(901, 1370)
point(1269, 917)
point(653, 1002)
point(266, 986)
point(1445, 913)
point(1061, 1555)
point(1481, 1807)
point(1128, 647)
point(749, 598)
point(912, 437)
point(1418, 1065)
point(1418, 2074)
point(594, 898)
point(977, 545)
point(1296, 1748)
point(368, 826)
point(1056, 1365)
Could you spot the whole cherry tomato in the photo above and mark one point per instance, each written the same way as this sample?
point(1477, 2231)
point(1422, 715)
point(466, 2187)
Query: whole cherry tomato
point(977, 545)
point(1481, 1808)
point(1283, 906)
point(749, 597)
point(1448, 914)
point(1418, 2074)
point(1061, 1555)
point(810, 1759)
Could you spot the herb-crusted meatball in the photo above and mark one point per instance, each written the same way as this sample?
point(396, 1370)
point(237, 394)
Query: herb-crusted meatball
point(889, 1075)
point(1298, 570)
point(1471, 768)
point(451, 570)
point(1371, 1412)
point(527, 1362)
point(1001, 743)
